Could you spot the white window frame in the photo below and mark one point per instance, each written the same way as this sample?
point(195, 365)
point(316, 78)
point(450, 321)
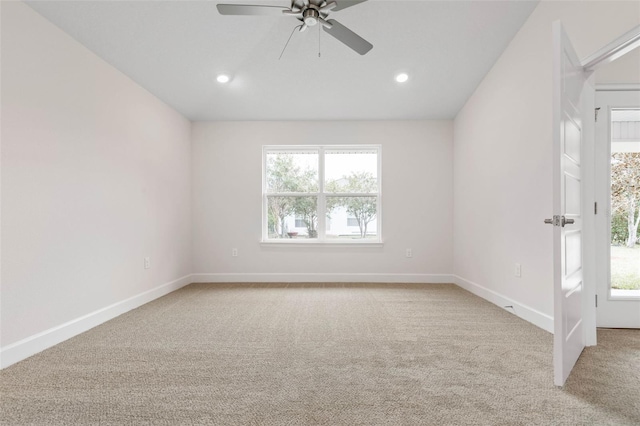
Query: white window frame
point(321, 240)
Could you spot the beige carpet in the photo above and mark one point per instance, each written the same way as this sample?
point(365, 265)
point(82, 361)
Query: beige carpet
point(314, 354)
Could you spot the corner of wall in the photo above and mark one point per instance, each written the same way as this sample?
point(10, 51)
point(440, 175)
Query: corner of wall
point(25, 348)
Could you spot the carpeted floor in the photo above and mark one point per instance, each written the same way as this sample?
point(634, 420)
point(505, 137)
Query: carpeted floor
point(321, 354)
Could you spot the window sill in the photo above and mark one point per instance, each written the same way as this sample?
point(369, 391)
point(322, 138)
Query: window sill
point(311, 243)
point(624, 294)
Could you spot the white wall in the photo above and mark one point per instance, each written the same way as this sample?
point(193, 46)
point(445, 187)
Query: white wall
point(416, 193)
point(95, 176)
point(625, 70)
point(502, 158)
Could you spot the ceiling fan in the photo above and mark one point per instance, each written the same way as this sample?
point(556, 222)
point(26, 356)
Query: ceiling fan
point(310, 13)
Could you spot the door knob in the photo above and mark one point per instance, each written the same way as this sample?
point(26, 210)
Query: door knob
point(559, 221)
point(555, 221)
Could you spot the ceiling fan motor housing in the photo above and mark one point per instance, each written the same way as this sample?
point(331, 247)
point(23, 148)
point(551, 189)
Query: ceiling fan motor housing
point(310, 17)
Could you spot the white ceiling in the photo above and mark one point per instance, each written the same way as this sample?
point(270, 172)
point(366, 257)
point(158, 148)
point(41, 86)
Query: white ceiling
point(175, 49)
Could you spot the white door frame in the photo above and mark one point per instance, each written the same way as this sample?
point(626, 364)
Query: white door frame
point(609, 53)
point(612, 311)
point(614, 50)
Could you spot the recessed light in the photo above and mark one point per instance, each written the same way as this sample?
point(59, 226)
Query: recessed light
point(401, 78)
point(222, 78)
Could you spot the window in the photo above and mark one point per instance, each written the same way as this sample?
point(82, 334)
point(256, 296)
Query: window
point(307, 189)
point(300, 222)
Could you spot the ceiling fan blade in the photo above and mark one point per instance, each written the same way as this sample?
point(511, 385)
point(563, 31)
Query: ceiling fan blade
point(247, 9)
point(292, 12)
point(343, 4)
point(348, 37)
point(327, 7)
point(325, 23)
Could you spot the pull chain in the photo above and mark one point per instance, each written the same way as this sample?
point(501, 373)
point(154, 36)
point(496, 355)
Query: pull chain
point(285, 46)
point(319, 33)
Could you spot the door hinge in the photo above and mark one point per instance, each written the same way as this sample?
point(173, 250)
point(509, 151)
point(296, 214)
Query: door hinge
point(597, 111)
point(595, 208)
point(596, 300)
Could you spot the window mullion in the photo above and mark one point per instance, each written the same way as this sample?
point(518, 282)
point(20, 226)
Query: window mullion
point(322, 201)
point(352, 194)
point(379, 194)
point(265, 207)
point(292, 194)
point(265, 217)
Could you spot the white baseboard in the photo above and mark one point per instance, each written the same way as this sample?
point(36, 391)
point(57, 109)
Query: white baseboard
point(525, 312)
point(322, 278)
point(25, 348)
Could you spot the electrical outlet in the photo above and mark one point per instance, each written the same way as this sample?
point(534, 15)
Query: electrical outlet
point(409, 253)
point(234, 252)
point(518, 270)
point(147, 263)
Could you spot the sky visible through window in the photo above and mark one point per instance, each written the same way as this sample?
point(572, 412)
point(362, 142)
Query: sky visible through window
point(339, 163)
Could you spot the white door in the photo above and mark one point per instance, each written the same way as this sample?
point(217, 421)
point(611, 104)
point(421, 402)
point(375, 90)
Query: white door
point(570, 92)
point(618, 307)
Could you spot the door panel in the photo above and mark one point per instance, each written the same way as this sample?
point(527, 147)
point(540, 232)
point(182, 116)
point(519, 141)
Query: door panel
point(568, 96)
point(572, 134)
point(573, 257)
point(573, 199)
point(573, 320)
